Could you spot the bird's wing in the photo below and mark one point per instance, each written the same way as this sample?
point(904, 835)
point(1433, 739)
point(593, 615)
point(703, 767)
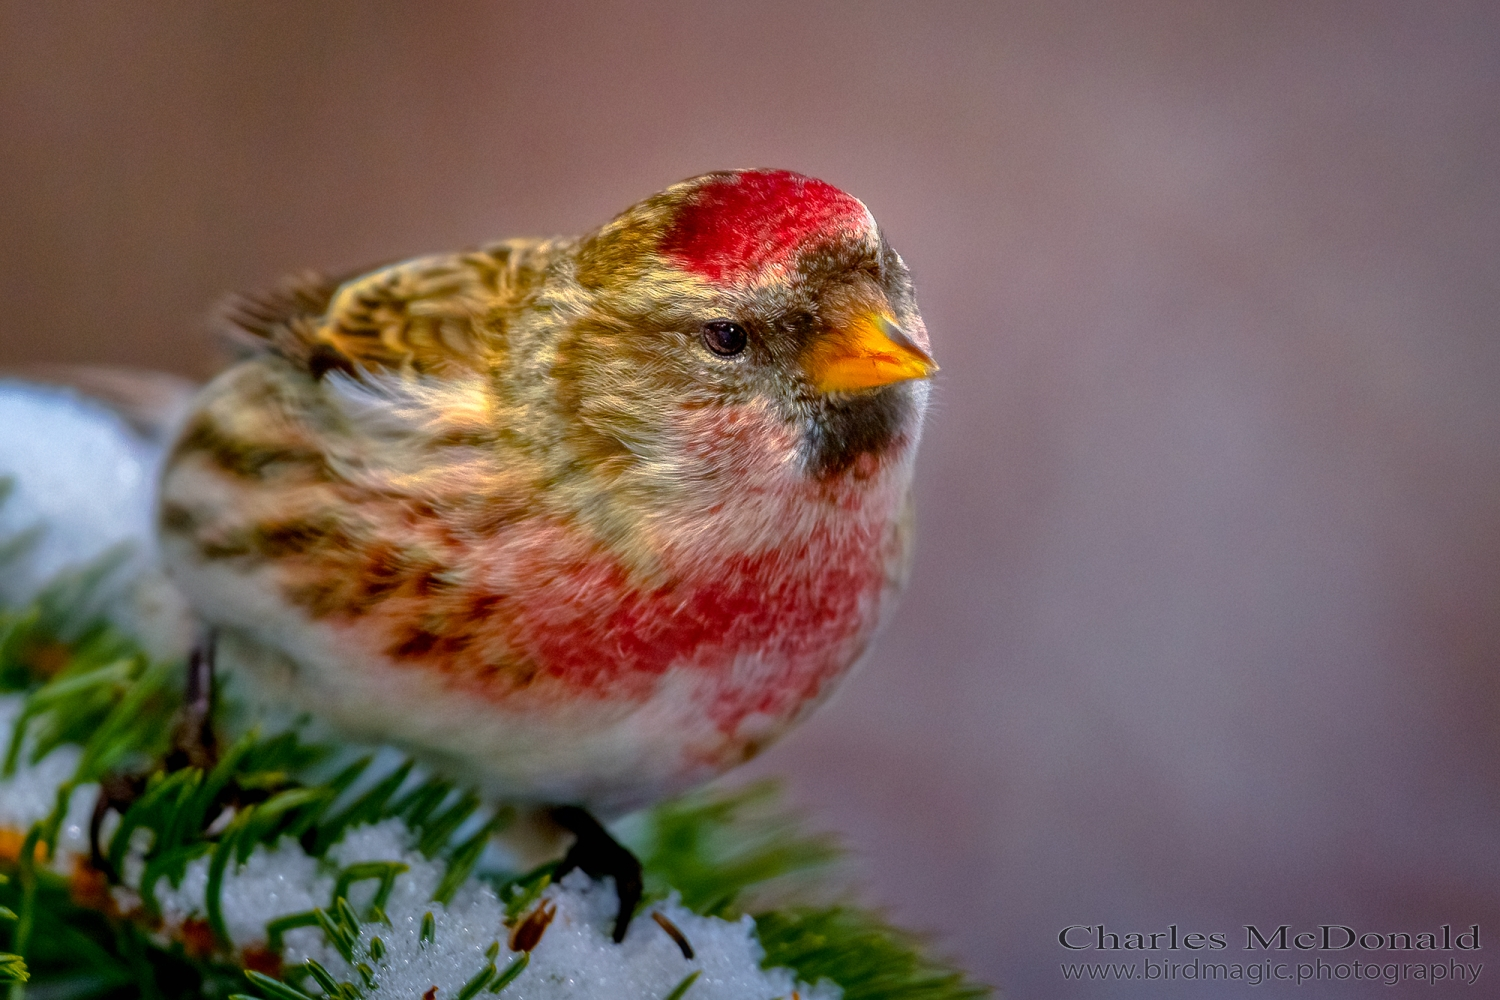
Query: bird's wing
point(439, 315)
point(283, 320)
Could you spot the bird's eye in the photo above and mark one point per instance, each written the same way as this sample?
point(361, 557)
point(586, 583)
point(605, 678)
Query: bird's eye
point(725, 338)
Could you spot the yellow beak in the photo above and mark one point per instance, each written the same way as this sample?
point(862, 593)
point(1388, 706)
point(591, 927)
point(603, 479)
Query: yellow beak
point(872, 352)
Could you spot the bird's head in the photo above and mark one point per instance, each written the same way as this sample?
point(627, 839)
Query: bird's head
point(758, 292)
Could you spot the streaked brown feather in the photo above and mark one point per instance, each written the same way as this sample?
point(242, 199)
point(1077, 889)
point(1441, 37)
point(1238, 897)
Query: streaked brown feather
point(283, 319)
point(431, 315)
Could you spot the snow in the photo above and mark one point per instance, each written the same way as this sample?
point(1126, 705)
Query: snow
point(78, 470)
point(81, 475)
point(576, 958)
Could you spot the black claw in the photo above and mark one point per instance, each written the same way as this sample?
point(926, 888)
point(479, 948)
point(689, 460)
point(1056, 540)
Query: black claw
point(597, 854)
point(193, 745)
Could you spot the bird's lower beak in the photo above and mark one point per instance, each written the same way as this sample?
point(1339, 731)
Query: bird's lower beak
point(872, 351)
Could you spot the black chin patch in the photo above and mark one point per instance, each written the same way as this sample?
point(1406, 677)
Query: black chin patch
point(845, 427)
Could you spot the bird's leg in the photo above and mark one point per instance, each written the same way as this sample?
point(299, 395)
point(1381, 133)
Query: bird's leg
point(193, 745)
point(193, 742)
point(598, 854)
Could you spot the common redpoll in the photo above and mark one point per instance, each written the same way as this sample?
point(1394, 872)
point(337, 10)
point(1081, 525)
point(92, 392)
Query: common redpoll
point(581, 521)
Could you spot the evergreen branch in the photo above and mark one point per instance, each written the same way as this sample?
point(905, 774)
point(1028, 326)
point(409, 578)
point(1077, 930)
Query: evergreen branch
point(715, 847)
point(224, 851)
point(368, 808)
point(420, 802)
point(308, 818)
point(865, 956)
point(135, 727)
point(13, 968)
point(461, 863)
point(385, 871)
point(172, 864)
point(276, 929)
point(337, 934)
point(149, 811)
point(262, 827)
point(332, 988)
point(91, 692)
point(436, 832)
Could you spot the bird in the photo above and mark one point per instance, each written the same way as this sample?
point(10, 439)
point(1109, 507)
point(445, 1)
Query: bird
point(584, 521)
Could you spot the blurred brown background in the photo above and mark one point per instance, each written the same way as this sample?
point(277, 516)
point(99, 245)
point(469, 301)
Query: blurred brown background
point(1205, 623)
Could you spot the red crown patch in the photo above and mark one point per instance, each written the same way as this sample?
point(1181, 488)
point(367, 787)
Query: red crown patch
point(739, 224)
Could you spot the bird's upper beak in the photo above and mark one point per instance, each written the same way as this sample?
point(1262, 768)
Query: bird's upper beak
point(871, 351)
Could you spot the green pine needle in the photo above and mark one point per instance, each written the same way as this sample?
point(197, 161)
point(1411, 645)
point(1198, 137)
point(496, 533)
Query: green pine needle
point(477, 983)
point(332, 987)
point(13, 968)
point(719, 848)
point(512, 971)
point(520, 893)
point(368, 808)
point(383, 871)
point(464, 857)
point(276, 929)
point(274, 989)
point(681, 988)
point(868, 958)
